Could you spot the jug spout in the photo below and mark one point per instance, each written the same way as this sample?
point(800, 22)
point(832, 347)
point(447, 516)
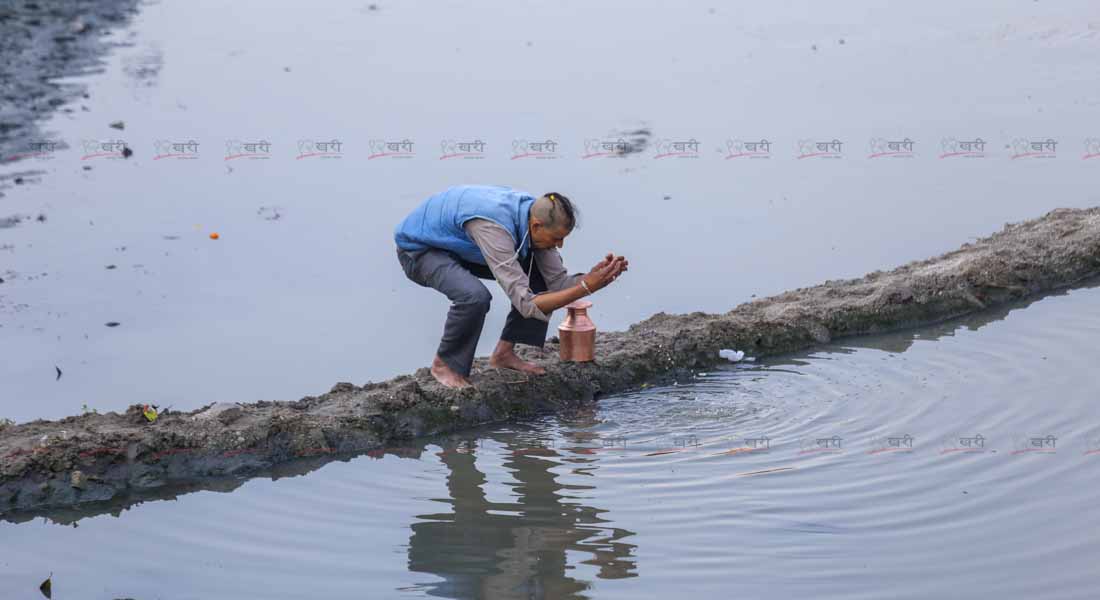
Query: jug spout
point(577, 333)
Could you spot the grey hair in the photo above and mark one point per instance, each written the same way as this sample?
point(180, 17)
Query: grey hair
point(555, 209)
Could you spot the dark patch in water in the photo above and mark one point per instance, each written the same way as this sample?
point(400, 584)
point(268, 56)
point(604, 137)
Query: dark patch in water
point(636, 140)
point(270, 213)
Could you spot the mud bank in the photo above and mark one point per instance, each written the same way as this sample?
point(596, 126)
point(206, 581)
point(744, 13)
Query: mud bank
point(95, 458)
point(40, 42)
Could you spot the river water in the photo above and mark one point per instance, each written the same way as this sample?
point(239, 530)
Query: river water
point(648, 494)
point(660, 492)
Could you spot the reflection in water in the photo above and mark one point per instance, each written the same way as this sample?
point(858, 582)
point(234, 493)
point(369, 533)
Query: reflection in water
point(481, 549)
point(485, 549)
point(556, 507)
point(579, 419)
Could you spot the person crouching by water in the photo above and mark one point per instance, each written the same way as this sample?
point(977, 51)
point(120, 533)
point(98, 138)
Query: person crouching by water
point(494, 232)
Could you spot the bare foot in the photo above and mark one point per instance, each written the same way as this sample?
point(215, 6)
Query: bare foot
point(504, 357)
point(447, 376)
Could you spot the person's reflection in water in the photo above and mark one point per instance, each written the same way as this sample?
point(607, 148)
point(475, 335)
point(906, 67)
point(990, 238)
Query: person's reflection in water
point(513, 549)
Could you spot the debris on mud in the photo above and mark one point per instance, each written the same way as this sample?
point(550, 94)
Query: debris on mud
point(732, 355)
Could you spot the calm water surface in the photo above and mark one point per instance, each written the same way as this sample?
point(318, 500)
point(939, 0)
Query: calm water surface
point(647, 495)
point(653, 494)
point(302, 290)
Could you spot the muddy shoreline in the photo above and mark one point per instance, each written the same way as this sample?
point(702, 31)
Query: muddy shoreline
point(42, 41)
point(96, 458)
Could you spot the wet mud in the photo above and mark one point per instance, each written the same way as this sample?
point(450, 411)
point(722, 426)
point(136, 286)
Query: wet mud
point(42, 41)
point(94, 458)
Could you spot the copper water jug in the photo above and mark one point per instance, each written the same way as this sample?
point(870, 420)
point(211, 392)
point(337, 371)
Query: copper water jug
point(577, 333)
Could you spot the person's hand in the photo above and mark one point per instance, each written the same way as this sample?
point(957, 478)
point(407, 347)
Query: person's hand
point(608, 260)
point(605, 272)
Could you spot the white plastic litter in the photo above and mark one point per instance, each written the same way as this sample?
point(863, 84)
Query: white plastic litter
point(731, 355)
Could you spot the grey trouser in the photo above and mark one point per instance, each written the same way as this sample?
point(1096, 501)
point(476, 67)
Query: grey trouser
point(458, 280)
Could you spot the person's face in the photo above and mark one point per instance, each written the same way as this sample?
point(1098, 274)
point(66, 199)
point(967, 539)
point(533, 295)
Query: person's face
point(546, 237)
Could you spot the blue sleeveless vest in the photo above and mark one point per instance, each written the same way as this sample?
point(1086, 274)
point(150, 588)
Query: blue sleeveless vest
point(438, 221)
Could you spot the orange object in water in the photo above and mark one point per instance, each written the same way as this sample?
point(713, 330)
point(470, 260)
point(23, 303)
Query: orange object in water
point(214, 236)
point(577, 333)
